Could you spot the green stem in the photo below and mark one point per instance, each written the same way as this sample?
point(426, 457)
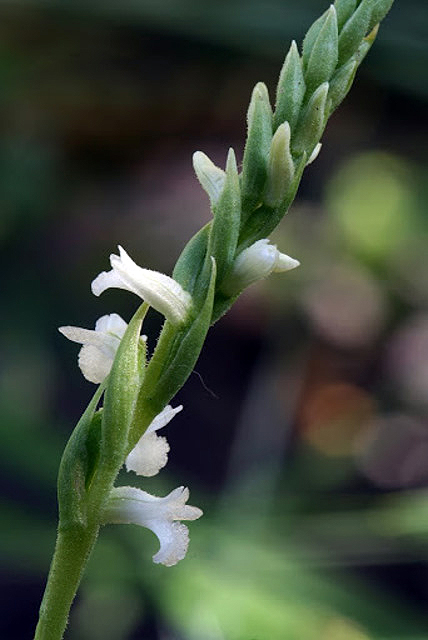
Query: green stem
point(72, 551)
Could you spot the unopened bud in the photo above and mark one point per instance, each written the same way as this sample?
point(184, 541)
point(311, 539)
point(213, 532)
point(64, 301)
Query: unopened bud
point(254, 164)
point(280, 167)
point(291, 89)
point(211, 177)
point(323, 58)
point(255, 263)
point(311, 126)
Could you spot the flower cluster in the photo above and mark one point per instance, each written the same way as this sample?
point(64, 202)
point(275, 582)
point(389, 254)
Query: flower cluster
point(163, 515)
point(150, 454)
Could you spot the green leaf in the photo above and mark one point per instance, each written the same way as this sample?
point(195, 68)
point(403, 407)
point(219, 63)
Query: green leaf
point(324, 53)
point(225, 226)
point(366, 45)
point(379, 11)
point(311, 37)
point(172, 363)
point(77, 465)
point(344, 10)
point(264, 220)
point(312, 123)
point(280, 168)
point(191, 261)
point(354, 31)
point(341, 83)
point(122, 390)
point(291, 89)
point(254, 165)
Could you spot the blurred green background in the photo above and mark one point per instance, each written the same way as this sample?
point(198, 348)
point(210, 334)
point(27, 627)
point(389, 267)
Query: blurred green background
point(305, 433)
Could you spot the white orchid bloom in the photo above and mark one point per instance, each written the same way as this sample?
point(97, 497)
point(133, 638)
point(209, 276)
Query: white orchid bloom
point(99, 345)
point(255, 263)
point(150, 453)
point(162, 292)
point(130, 505)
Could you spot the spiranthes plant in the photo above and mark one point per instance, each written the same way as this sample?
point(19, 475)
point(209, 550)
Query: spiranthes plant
point(131, 402)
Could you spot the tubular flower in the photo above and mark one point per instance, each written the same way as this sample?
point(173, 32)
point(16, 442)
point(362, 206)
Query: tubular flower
point(99, 346)
point(160, 515)
point(255, 263)
point(150, 453)
point(162, 292)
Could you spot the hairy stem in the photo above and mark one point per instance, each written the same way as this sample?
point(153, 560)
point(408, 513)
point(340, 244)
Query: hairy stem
point(72, 551)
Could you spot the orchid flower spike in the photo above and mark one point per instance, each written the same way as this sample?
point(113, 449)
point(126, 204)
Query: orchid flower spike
point(161, 515)
point(162, 292)
point(255, 263)
point(150, 453)
point(99, 345)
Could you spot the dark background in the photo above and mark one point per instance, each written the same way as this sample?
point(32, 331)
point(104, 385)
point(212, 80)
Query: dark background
point(304, 436)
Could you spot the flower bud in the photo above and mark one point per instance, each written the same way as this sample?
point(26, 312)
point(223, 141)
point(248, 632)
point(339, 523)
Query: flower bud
point(291, 89)
point(312, 123)
point(259, 136)
point(255, 263)
point(354, 31)
point(211, 177)
point(341, 83)
point(323, 58)
point(280, 167)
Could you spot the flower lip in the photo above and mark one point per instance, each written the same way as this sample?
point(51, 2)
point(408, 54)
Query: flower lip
point(161, 515)
point(150, 453)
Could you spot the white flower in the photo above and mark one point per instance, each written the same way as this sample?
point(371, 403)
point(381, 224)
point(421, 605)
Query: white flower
point(150, 453)
point(99, 346)
point(162, 292)
point(161, 515)
point(255, 263)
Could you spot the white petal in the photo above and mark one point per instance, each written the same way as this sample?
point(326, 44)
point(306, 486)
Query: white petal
point(163, 418)
point(99, 346)
point(162, 292)
point(113, 324)
point(94, 364)
point(150, 454)
point(108, 280)
point(132, 505)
